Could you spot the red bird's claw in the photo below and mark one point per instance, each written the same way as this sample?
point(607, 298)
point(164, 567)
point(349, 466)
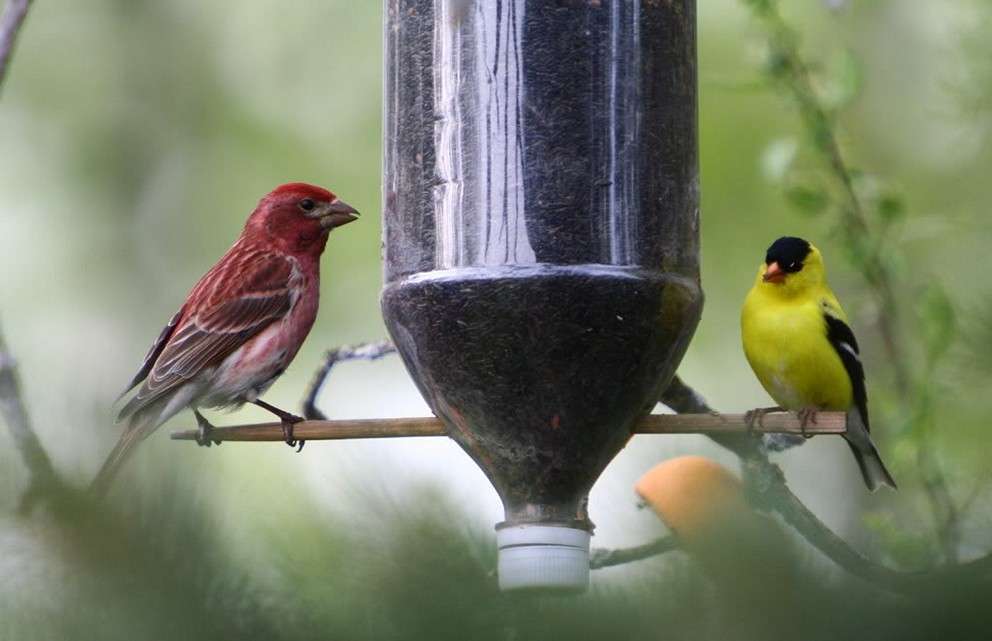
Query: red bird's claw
point(297, 444)
point(205, 440)
point(287, 434)
point(203, 435)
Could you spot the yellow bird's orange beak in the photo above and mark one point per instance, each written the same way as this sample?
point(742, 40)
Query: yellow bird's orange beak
point(773, 274)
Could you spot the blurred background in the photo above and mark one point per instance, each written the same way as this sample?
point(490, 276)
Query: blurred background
point(136, 137)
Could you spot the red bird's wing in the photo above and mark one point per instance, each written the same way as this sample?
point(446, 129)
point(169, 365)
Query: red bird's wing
point(234, 301)
point(153, 352)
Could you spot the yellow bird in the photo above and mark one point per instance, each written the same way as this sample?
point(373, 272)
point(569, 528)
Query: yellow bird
point(799, 344)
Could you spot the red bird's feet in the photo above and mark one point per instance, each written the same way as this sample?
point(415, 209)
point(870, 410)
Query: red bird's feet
point(754, 418)
point(288, 422)
point(203, 430)
point(287, 433)
point(807, 416)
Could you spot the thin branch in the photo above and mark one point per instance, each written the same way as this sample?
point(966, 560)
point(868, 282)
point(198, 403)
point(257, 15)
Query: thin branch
point(682, 399)
point(836, 549)
point(42, 477)
point(946, 513)
point(363, 351)
point(709, 423)
point(41, 473)
point(10, 25)
point(603, 558)
point(767, 487)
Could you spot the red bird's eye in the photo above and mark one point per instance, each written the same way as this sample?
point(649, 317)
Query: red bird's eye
point(307, 204)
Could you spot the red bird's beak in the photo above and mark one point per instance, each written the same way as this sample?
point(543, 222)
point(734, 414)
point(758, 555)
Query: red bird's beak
point(338, 213)
point(773, 274)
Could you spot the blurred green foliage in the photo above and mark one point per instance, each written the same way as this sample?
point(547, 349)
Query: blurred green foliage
point(138, 134)
point(157, 568)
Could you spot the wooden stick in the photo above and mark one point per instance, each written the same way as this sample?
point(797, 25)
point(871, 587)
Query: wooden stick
point(777, 423)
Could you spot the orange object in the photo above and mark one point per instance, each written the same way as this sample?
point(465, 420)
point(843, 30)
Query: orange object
point(746, 554)
point(694, 496)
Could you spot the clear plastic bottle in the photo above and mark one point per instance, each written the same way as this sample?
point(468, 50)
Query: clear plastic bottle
point(541, 237)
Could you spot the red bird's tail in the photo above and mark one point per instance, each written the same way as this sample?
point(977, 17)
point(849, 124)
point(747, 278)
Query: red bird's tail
point(134, 433)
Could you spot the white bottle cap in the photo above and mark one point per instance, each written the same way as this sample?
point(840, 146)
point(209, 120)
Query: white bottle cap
point(549, 557)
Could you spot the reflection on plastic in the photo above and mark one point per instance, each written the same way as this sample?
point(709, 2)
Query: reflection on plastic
point(553, 132)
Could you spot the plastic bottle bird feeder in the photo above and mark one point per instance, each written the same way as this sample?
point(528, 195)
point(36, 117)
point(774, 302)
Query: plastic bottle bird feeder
point(541, 251)
point(541, 241)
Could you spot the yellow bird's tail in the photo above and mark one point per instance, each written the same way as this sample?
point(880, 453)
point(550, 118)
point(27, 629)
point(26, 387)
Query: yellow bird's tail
point(866, 454)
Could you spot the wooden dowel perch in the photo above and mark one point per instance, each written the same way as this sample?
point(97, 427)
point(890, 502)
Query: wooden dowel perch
point(775, 423)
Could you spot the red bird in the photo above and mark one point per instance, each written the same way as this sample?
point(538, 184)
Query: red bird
point(241, 324)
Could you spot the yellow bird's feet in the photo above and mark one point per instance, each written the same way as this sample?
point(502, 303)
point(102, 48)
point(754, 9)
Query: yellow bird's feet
point(754, 418)
point(807, 417)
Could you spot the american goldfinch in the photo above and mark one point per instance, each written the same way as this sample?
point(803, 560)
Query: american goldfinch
point(799, 344)
point(241, 324)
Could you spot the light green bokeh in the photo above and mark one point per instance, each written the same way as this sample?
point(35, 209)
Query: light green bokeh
point(136, 137)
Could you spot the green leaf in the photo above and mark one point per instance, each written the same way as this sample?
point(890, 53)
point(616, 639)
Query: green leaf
point(778, 65)
point(777, 159)
point(843, 81)
point(761, 6)
point(808, 199)
point(891, 207)
point(938, 322)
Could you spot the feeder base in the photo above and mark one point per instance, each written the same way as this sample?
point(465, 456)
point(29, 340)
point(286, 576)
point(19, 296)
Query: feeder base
point(542, 557)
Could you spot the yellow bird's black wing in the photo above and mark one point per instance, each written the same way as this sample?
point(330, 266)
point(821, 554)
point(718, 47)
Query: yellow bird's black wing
point(846, 345)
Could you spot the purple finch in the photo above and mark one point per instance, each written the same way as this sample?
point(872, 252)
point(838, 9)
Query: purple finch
point(241, 324)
